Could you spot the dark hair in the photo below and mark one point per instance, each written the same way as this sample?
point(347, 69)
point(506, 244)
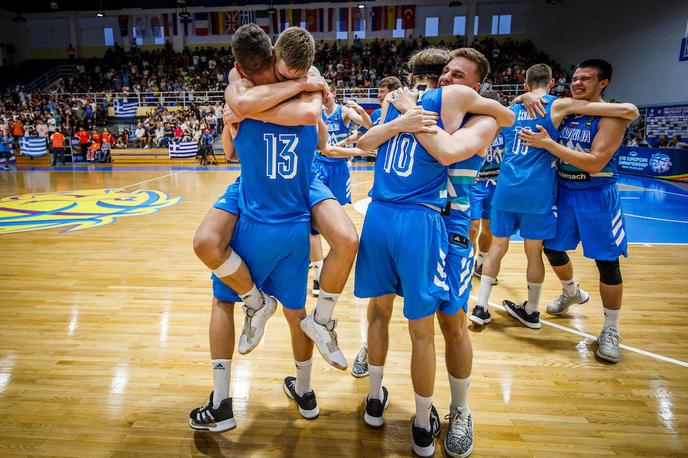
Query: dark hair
point(604, 68)
point(539, 75)
point(390, 82)
point(252, 49)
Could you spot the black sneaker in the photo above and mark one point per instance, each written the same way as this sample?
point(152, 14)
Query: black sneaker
point(218, 420)
point(518, 311)
point(480, 316)
point(316, 288)
point(375, 409)
point(424, 440)
point(308, 406)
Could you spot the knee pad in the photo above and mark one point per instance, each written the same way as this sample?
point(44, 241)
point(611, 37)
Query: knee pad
point(557, 258)
point(610, 272)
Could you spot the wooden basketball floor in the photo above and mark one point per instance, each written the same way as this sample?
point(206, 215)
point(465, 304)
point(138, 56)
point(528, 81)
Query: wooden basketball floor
point(104, 345)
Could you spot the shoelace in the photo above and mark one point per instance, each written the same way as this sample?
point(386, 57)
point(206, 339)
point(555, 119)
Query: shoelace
point(610, 335)
point(458, 425)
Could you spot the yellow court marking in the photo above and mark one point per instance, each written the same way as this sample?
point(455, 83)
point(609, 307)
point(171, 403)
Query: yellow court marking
point(77, 210)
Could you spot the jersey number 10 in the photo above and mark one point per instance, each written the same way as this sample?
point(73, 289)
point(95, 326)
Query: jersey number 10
point(400, 154)
point(285, 162)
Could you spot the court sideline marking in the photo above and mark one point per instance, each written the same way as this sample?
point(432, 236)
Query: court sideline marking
point(153, 179)
point(594, 338)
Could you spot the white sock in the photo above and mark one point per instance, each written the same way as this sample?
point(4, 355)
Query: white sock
point(423, 406)
point(222, 369)
point(325, 306)
point(317, 267)
point(303, 376)
point(253, 299)
point(484, 291)
point(481, 258)
point(364, 339)
point(611, 318)
point(534, 290)
point(375, 382)
point(459, 393)
point(570, 286)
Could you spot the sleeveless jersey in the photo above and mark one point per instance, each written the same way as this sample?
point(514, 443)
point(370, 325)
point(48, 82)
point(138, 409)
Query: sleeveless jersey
point(527, 178)
point(276, 163)
point(404, 171)
point(462, 175)
point(577, 133)
point(493, 160)
point(336, 131)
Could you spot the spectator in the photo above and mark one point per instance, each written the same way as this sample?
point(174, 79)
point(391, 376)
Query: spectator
point(140, 136)
point(58, 143)
point(104, 155)
point(84, 138)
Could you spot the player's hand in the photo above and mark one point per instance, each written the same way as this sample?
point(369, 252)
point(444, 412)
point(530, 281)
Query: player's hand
point(229, 117)
point(533, 104)
point(539, 139)
point(354, 106)
point(360, 152)
point(341, 143)
point(417, 120)
point(404, 99)
point(312, 83)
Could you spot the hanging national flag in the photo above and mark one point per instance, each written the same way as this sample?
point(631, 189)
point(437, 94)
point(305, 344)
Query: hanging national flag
point(125, 109)
point(343, 19)
point(274, 18)
point(376, 18)
point(298, 17)
point(312, 20)
point(330, 20)
point(156, 26)
point(263, 20)
point(201, 24)
point(391, 17)
point(283, 14)
point(183, 149)
point(321, 20)
point(33, 146)
point(166, 24)
point(247, 17)
point(231, 22)
point(186, 20)
point(408, 21)
point(357, 18)
point(216, 23)
point(174, 23)
point(140, 26)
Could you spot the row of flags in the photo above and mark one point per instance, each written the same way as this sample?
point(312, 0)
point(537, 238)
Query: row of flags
point(313, 20)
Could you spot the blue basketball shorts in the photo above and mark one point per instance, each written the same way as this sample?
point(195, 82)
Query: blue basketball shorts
point(481, 199)
point(402, 251)
point(593, 217)
point(229, 201)
point(531, 226)
point(277, 255)
point(336, 176)
point(459, 267)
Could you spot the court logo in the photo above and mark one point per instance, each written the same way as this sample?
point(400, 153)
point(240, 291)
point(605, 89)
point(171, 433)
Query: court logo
point(77, 210)
point(660, 163)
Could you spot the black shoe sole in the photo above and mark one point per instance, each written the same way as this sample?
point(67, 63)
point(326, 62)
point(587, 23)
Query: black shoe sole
point(307, 414)
point(525, 323)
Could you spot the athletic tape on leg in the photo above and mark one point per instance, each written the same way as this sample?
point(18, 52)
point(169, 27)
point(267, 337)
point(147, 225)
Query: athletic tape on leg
point(229, 267)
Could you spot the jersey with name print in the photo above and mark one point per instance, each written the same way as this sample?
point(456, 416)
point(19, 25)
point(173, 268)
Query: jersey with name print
point(493, 160)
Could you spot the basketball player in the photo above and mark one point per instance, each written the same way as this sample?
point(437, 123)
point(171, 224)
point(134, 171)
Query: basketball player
point(334, 171)
point(525, 195)
point(404, 241)
point(274, 203)
point(481, 197)
point(211, 242)
point(588, 204)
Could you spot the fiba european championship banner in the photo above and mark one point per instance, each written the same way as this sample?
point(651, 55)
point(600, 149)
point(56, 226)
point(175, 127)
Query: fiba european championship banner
point(667, 163)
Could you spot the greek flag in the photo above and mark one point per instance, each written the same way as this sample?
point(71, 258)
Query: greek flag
point(125, 109)
point(183, 149)
point(33, 146)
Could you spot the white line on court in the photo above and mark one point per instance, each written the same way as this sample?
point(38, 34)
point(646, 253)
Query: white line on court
point(657, 219)
point(153, 179)
point(361, 182)
point(640, 188)
point(590, 336)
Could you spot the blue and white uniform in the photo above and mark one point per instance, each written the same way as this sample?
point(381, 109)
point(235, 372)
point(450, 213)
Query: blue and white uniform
point(526, 191)
point(589, 206)
point(272, 234)
point(334, 171)
point(457, 219)
point(486, 182)
point(375, 117)
point(404, 241)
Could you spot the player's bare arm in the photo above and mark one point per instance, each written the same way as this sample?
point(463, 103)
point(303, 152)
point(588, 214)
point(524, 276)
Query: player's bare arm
point(473, 138)
point(470, 101)
point(352, 111)
point(568, 106)
point(604, 145)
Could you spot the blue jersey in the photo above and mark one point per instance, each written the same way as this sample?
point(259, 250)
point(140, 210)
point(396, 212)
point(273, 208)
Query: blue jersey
point(404, 171)
point(276, 164)
point(577, 133)
point(375, 117)
point(493, 160)
point(462, 175)
point(336, 130)
point(527, 178)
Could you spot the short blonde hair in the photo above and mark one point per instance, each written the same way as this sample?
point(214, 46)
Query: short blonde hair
point(476, 57)
point(428, 63)
point(296, 47)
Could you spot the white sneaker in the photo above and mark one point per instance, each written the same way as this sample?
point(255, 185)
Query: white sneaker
point(254, 324)
point(325, 339)
point(561, 303)
point(608, 345)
